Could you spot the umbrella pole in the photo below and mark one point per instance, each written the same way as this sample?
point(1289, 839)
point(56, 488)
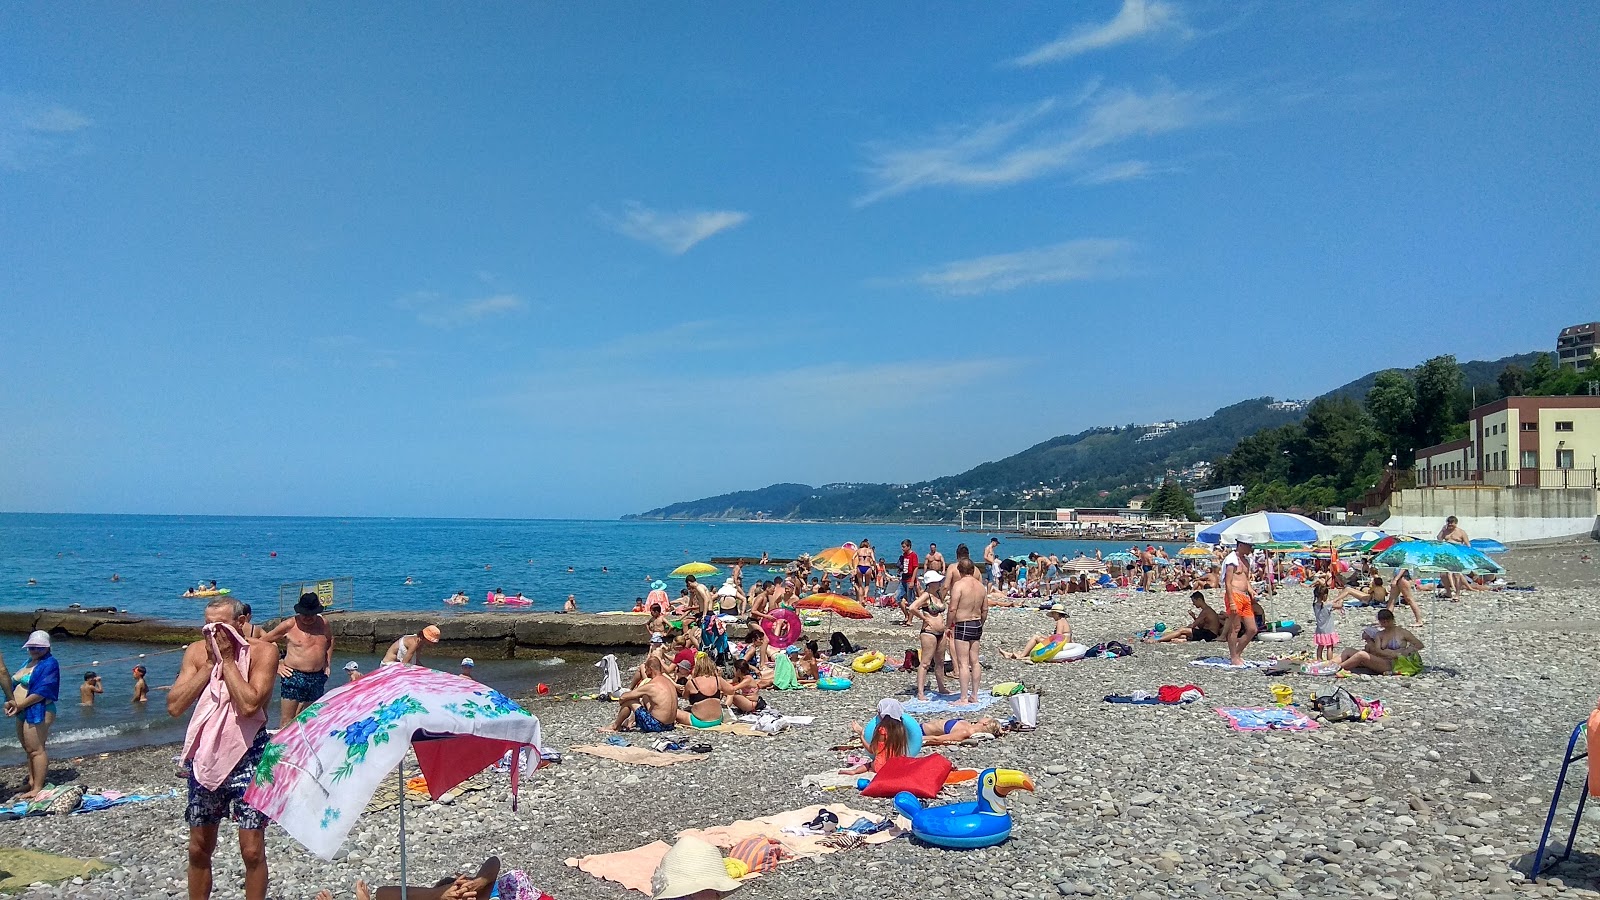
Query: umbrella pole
point(400, 773)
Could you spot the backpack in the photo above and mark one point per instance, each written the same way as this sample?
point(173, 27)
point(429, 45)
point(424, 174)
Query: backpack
point(1111, 649)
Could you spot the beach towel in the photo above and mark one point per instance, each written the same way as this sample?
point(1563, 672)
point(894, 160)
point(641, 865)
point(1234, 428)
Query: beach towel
point(637, 756)
point(1221, 662)
point(738, 728)
point(1266, 718)
point(611, 680)
point(218, 736)
point(946, 703)
point(97, 802)
point(783, 674)
point(829, 780)
point(630, 868)
point(1593, 741)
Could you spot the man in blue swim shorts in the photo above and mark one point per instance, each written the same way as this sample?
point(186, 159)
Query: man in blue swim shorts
point(306, 663)
point(652, 706)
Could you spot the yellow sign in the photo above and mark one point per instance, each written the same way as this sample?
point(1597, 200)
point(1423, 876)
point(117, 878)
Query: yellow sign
point(325, 592)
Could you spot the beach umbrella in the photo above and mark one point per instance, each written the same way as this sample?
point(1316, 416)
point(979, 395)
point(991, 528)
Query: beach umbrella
point(835, 560)
point(1487, 545)
point(1283, 545)
point(1121, 556)
point(1437, 556)
point(318, 773)
point(1262, 527)
point(1195, 551)
point(1083, 564)
point(1366, 537)
point(696, 569)
point(1384, 543)
point(844, 606)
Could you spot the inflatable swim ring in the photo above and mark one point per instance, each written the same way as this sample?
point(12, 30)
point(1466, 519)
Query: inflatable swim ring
point(782, 627)
point(1273, 636)
point(833, 683)
point(870, 661)
point(1047, 652)
point(913, 734)
point(1070, 652)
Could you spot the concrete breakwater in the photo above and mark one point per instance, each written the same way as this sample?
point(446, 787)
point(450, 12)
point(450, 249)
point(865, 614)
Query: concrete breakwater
point(479, 635)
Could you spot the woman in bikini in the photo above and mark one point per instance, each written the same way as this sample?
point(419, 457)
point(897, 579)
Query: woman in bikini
point(703, 689)
point(953, 731)
point(935, 643)
point(745, 695)
point(866, 562)
point(1402, 590)
point(1374, 594)
point(805, 662)
point(1384, 645)
point(1062, 632)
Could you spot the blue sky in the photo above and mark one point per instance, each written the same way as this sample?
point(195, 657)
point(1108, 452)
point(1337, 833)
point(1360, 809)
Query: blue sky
point(585, 259)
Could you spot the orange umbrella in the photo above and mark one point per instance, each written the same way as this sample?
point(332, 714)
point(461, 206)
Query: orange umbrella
point(835, 560)
point(844, 606)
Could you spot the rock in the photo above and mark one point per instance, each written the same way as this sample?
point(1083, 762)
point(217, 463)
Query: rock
point(1143, 798)
point(1446, 726)
point(1474, 777)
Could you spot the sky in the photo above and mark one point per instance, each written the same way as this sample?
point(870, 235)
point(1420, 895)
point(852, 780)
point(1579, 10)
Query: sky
point(581, 260)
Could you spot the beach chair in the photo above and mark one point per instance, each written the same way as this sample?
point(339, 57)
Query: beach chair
point(1577, 750)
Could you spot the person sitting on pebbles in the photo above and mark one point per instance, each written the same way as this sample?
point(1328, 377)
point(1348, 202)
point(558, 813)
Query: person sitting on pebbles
point(457, 887)
point(1062, 632)
point(704, 688)
point(1204, 624)
point(651, 707)
point(889, 739)
point(936, 732)
point(805, 663)
point(1384, 644)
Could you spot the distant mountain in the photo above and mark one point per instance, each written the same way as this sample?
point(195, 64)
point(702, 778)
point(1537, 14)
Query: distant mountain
point(1098, 467)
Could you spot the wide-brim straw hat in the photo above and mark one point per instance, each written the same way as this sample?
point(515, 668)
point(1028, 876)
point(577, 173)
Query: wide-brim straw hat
point(691, 866)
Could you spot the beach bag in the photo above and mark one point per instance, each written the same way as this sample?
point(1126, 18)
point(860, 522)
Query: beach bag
point(759, 853)
point(911, 663)
point(516, 885)
point(65, 800)
point(1338, 706)
point(839, 644)
point(1025, 710)
point(1110, 649)
point(1410, 664)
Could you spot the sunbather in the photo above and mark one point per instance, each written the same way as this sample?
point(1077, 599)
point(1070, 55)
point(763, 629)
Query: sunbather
point(456, 887)
point(936, 732)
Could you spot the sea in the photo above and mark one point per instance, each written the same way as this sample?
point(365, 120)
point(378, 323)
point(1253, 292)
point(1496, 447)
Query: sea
point(51, 561)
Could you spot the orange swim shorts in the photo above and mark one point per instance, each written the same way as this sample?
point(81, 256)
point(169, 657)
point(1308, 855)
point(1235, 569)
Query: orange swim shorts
point(1237, 603)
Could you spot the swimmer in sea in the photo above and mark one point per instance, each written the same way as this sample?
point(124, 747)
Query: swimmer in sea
point(571, 606)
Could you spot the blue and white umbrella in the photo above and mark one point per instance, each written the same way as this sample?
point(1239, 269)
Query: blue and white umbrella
point(1262, 527)
point(1367, 537)
point(1487, 545)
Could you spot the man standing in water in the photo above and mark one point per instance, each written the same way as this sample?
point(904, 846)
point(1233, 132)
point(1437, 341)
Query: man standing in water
point(1238, 602)
point(227, 679)
point(969, 609)
point(309, 660)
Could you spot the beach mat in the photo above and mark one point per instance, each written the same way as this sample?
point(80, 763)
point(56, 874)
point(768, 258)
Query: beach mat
point(637, 756)
point(1266, 718)
point(24, 867)
point(1221, 662)
point(946, 703)
point(387, 794)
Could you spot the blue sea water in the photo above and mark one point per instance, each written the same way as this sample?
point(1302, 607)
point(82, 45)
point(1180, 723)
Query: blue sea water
point(605, 564)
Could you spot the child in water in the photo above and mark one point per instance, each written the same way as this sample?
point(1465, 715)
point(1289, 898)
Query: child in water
point(1326, 637)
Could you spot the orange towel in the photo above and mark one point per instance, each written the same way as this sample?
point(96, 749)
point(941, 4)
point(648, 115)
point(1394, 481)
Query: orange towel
point(630, 868)
point(1594, 752)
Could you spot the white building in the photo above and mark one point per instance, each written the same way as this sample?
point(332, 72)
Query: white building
point(1209, 504)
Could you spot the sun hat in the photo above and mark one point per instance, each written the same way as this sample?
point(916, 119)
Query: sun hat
point(691, 866)
point(430, 634)
point(467, 661)
point(932, 577)
point(352, 666)
point(38, 639)
point(308, 604)
point(890, 708)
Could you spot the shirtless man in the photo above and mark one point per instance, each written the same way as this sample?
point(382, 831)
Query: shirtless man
point(141, 688)
point(866, 569)
point(699, 596)
point(652, 706)
point(991, 559)
point(1452, 582)
point(1204, 624)
point(222, 670)
point(968, 611)
point(308, 659)
point(1238, 599)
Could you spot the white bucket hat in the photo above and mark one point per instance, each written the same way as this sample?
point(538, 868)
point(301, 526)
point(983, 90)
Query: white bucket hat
point(38, 639)
point(932, 577)
point(691, 866)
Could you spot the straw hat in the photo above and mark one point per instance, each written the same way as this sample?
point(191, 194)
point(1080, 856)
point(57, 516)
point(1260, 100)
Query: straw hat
point(431, 634)
point(691, 866)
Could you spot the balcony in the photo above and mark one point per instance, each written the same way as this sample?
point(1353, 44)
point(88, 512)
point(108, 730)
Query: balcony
point(1548, 479)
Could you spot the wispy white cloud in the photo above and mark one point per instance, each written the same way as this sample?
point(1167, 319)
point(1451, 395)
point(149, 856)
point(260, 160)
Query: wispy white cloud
point(33, 132)
point(438, 311)
point(1079, 260)
point(1126, 170)
point(1045, 139)
point(1138, 19)
point(674, 232)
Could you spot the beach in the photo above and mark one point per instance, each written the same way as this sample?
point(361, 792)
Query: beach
point(1442, 797)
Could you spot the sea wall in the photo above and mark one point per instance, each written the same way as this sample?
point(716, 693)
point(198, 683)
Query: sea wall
point(1505, 514)
point(479, 635)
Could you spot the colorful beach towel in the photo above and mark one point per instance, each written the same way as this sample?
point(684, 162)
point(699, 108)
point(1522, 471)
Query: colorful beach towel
point(1266, 718)
point(946, 703)
point(1222, 662)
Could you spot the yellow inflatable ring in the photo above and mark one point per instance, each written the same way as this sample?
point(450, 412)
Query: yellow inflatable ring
point(1047, 652)
point(870, 661)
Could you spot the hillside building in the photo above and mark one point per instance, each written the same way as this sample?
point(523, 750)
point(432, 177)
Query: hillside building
point(1209, 503)
point(1548, 442)
point(1575, 345)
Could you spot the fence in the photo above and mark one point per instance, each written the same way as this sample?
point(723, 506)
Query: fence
point(335, 593)
point(1548, 479)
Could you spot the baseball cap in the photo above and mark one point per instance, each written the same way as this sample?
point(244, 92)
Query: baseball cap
point(467, 661)
point(352, 666)
point(38, 639)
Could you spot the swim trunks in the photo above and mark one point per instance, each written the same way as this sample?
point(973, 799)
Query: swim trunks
point(208, 807)
point(647, 722)
point(1202, 634)
point(1238, 604)
point(303, 687)
point(969, 631)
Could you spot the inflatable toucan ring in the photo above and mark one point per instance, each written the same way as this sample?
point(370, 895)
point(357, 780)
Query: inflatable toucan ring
point(870, 661)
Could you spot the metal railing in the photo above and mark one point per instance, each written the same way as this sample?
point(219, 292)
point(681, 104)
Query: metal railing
point(1548, 479)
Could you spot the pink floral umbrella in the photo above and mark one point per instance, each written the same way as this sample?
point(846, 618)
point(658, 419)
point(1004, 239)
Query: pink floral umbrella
point(318, 773)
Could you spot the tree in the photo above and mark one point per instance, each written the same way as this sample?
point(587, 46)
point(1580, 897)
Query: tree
point(1172, 502)
point(1438, 385)
point(1512, 380)
point(1542, 369)
point(1392, 404)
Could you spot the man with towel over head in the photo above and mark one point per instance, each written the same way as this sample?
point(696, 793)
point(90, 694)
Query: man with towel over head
point(227, 679)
